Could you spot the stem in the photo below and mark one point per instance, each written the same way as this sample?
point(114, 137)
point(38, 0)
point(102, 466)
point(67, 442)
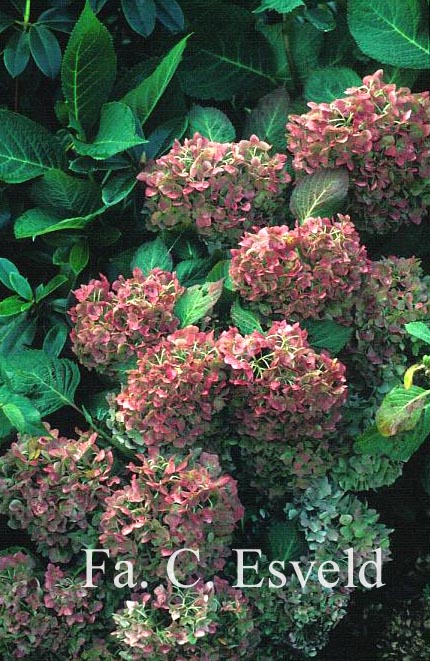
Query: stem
point(27, 13)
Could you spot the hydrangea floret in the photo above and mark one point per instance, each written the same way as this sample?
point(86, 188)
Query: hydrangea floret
point(171, 504)
point(283, 390)
point(314, 270)
point(381, 135)
point(53, 487)
point(220, 189)
point(114, 323)
point(175, 393)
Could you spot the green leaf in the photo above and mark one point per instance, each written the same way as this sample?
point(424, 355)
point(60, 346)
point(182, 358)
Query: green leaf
point(197, 301)
point(36, 222)
point(16, 333)
point(57, 19)
point(400, 447)
point(235, 60)
point(27, 150)
point(193, 271)
point(140, 15)
point(49, 382)
point(17, 53)
point(13, 305)
point(66, 193)
point(327, 334)
point(419, 330)
point(281, 6)
point(269, 117)
point(7, 268)
point(111, 140)
point(211, 123)
point(319, 194)
point(220, 271)
point(163, 137)
point(321, 18)
point(401, 410)
point(245, 320)
point(151, 255)
point(285, 541)
point(21, 286)
point(143, 99)
point(170, 15)
point(20, 413)
point(45, 290)
point(45, 50)
point(79, 256)
point(306, 43)
point(118, 186)
point(55, 339)
point(88, 71)
point(329, 83)
point(391, 31)
point(5, 21)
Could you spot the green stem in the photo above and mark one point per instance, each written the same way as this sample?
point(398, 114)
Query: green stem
point(27, 13)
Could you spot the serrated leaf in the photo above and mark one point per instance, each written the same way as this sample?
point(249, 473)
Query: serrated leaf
point(117, 187)
point(193, 271)
point(17, 53)
point(88, 70)
point(13, 305)
point(399, 447)
point(419, 330)
point(232, 61)
point(285, 542)
point(36, 222)
point(170, 15)
point(269, 117)
point(327, 334)
point(27, 149)
point(143, 99)
point(117, 132)
point(50, 383)
point(210, 123)
point(281, 6)
point(329, 83)
point(140, 15)
point(391, 31)
point(66, 193)
point(45, 50)
point(196, 302)
point(151, 255)
point(245, 320)
point(401, 410)
point(319, 194)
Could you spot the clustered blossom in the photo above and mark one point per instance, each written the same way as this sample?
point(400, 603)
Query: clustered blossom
point(53, 487)
point(381, 134)
point(283, 390)
point(218, 188)
point(312, 271)
point(203, 623)
point(67, 596)
point(112, 324)
point(175, 392)
point(171, 504)
point(395, 294)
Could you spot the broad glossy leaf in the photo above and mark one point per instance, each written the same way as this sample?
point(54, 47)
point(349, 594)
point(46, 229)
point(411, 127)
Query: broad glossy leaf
point(66, 193)
point(319, 194)
point(401, 410)
point(17, 53)
point(285, 542)
point(79, 256)
point(321, 18)
point(13, 305)
point(37, 221)
point(117, 187)
point(88, 70)
point(140, 15)
point(193, 271)
point(45, 50)
point(211, 123)
point(391, 31)
point(169, 13)
point(143, 99)
point(419, 330)
point(57, 18)
point(245, 320)
point(281, 6)
point(151, 255)
point(327, 334)
point(269, 117)
point(117, 132)
point(27, 149)
point(197, 302)
point(329, 83)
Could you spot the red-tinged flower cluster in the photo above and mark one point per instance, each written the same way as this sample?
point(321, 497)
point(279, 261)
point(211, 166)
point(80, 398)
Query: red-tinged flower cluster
point(381, 134)
point(218, 188)
point(68, 597)
point(395, 294)
point(209, 622)
point(175, 392)
point(312, 271)
point(53, 487)
point(111, 324)
point(171, 504)
point(24, 620)
point(283, 389)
